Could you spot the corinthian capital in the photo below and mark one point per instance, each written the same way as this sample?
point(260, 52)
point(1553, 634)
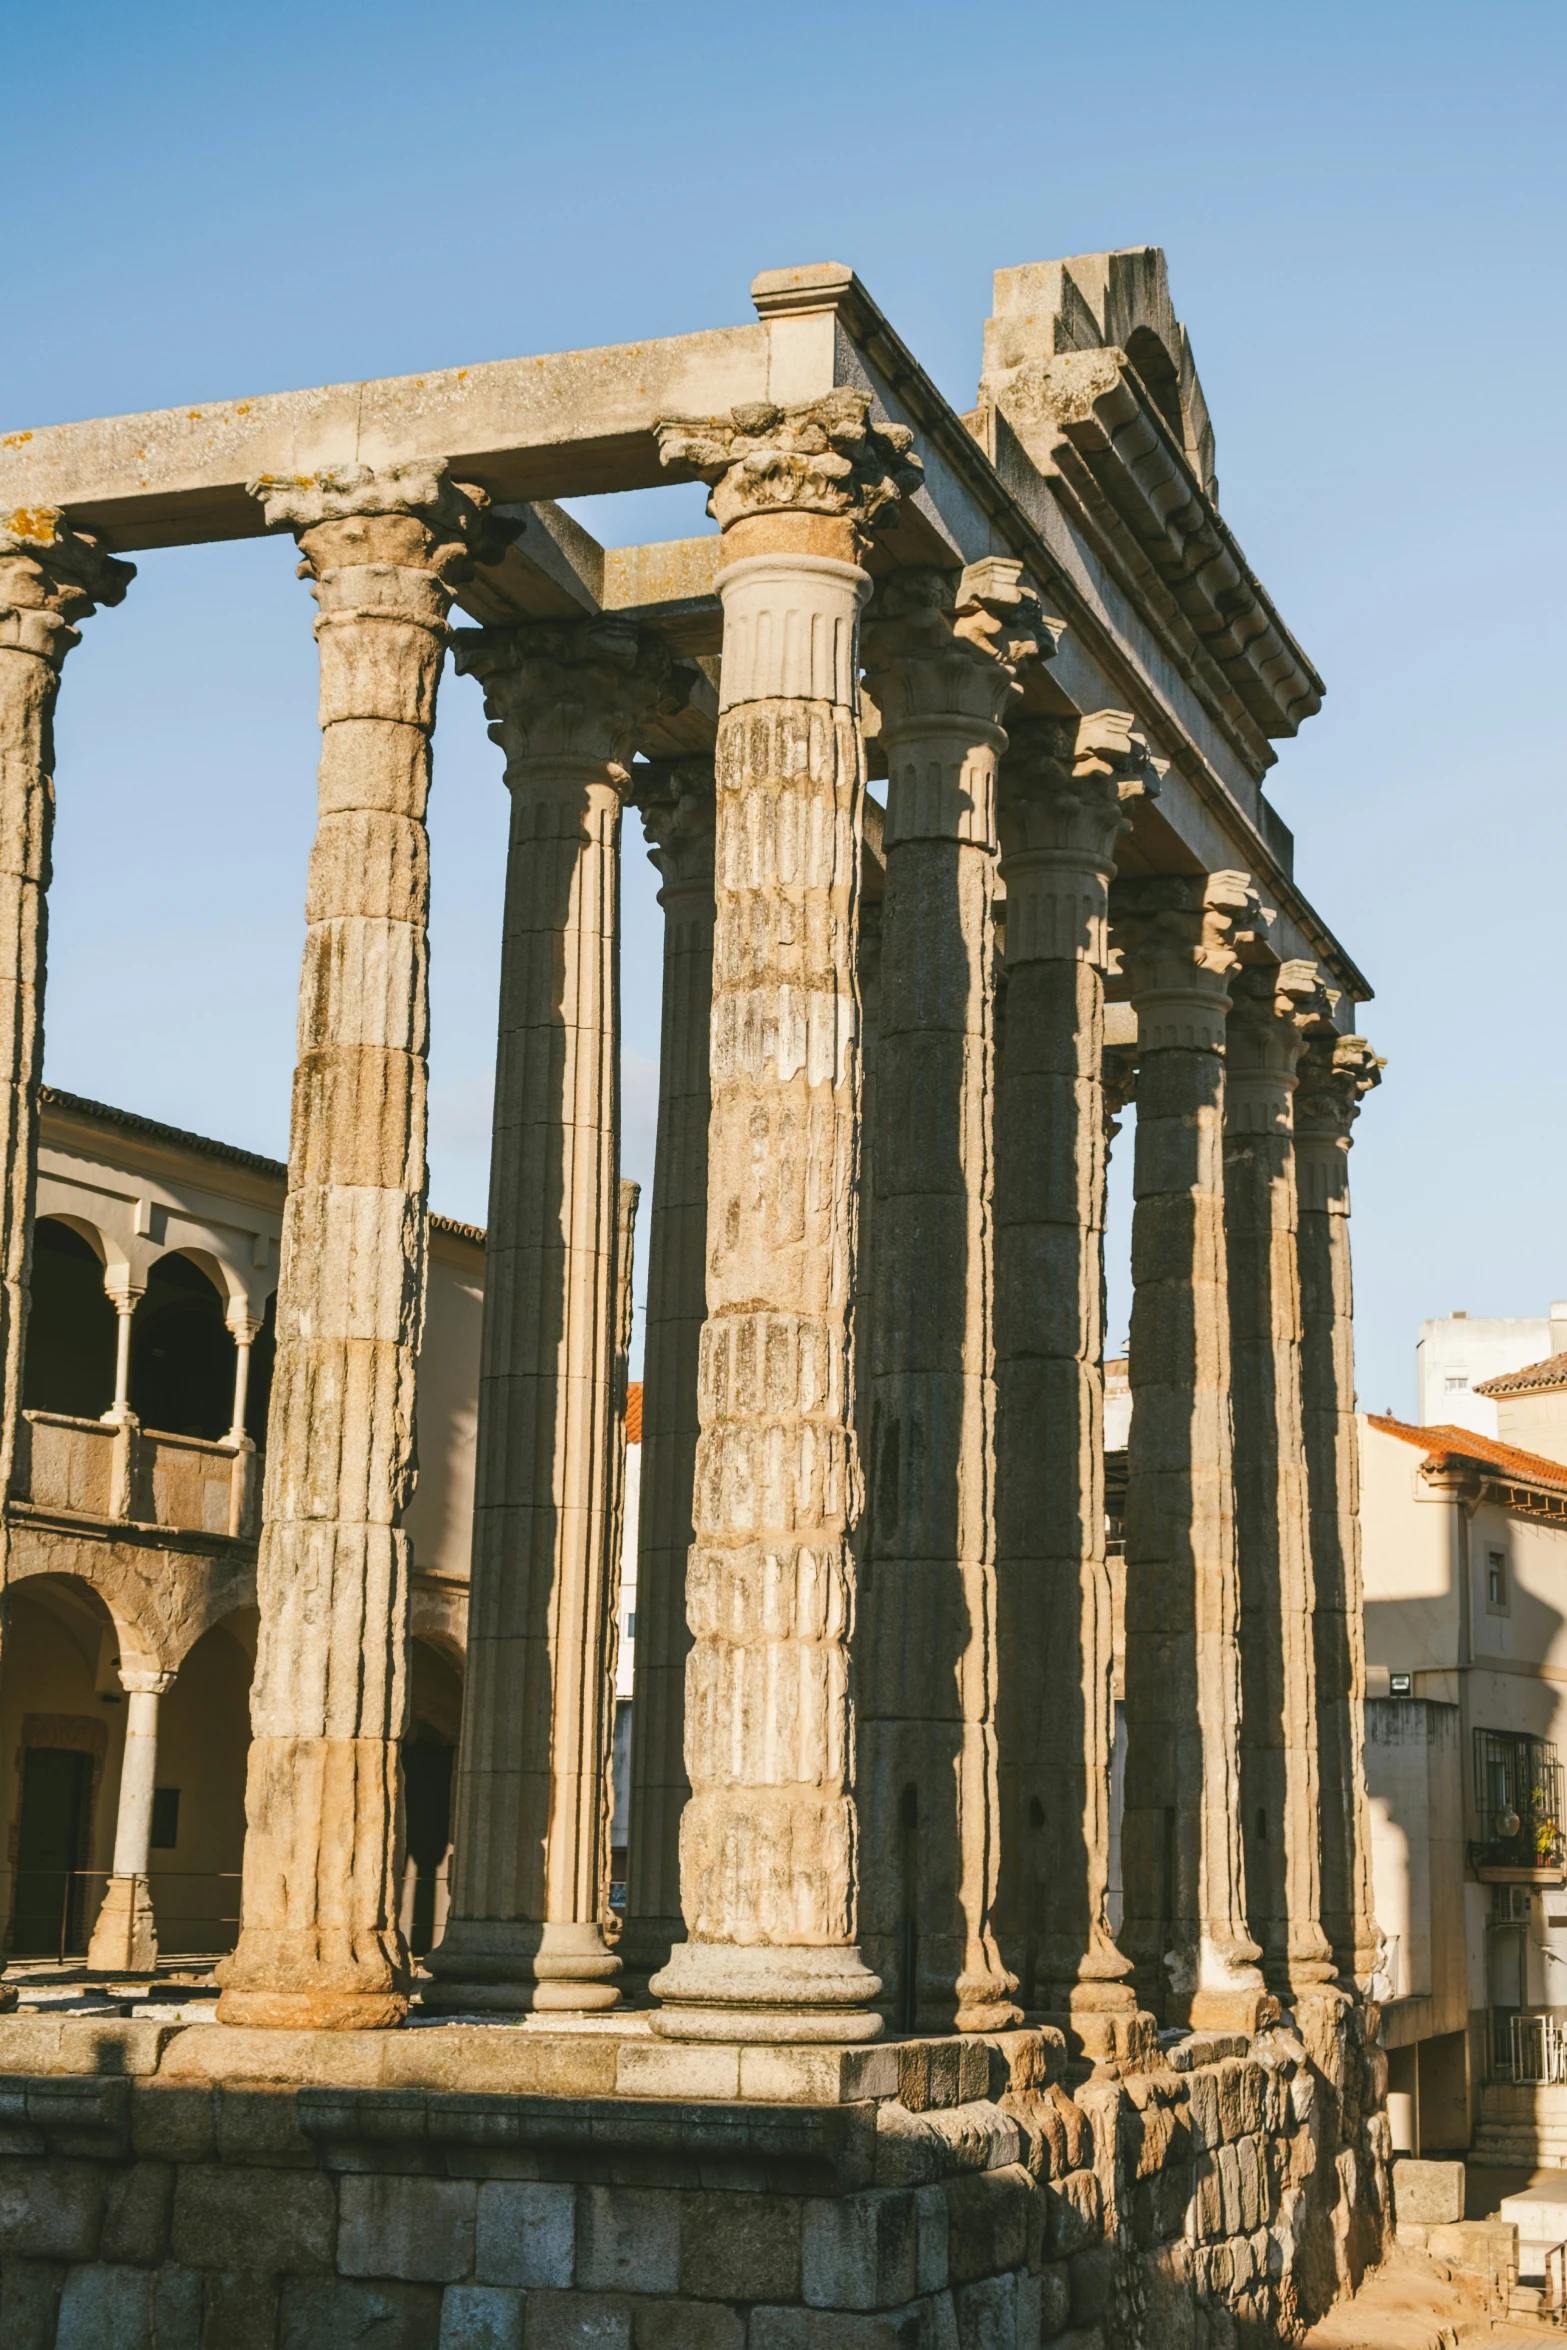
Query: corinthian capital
point(815, 457)
point(578, 690)
point(938, 643)
point(1183, 937)
point(677, 803)
point(52, 576)
point(1068, 786)
point(409, 514)
point(1274, 1009)
point(1336, 1074)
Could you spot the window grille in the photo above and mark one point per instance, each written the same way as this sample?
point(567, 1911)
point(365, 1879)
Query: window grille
point(1518, 1796)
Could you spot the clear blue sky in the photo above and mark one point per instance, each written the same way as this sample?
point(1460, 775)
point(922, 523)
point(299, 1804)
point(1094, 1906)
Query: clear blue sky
point(1362, 208)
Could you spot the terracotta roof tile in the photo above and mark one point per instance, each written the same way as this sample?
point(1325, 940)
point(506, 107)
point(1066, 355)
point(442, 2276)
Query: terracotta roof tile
point(634, 1411)
point(1551, 1373)
point(1442, 1443)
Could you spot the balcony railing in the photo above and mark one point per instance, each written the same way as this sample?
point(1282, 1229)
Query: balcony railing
point(123, 1472)
point(1518, 1799)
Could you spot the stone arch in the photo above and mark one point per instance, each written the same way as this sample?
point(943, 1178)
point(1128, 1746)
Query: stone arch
point(69, 1366)
point(182, 1347)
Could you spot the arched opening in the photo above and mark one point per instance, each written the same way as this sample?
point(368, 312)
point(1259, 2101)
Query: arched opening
point(182, 1353)
point(429, 1754)
point(198, 1814)
point(62, 1731)
point(70, 1326)
point(258, 1394)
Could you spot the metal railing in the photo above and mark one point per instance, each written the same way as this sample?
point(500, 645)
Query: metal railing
point(52, 1912)
point(1537, 2048)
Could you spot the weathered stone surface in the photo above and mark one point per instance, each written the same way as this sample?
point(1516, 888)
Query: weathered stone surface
point(568, 704)
point(239, 2311)
point(768, 1840)
point(50, 2210)
point(104, 2308)
point(578, 2321)
point(136, 2215)
point(1428, 2194)
point(480, 2317)
point(740, 2247)
point(1183, 1863)
point(526, 2232)
point(331, 2313)
point(941, 655)
point(418, 2230)
point(319, 1939)
point(1066, 795)
point(628, 2240)
point(860, 2252)
point(1335, 1075)
point(30, 2302)
point(221, 2216)
point(676, 801)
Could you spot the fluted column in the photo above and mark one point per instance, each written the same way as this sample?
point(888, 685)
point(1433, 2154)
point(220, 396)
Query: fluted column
point(940, 656)
point(51, 577)
point(675, 799)
point(125, 1938)
point(319, 1940)
point(769, 1857)
point(1183, 1866)
point(526, 1925)
point(1272, 1007)
point(1335, 1075)
point(1066, 789)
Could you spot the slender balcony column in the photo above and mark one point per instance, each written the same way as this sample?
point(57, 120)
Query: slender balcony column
point(941, 656)
point(319, 1940)
point(1182, 1862)
point(51, 577)
point(1336, 1073)
point(769, 1844)
point(526, 1925)
point(675, 801)
point(244, 1329)
point(1067, 790)
point(1273, 1006)
point(125, 1299)
point(125, 1938)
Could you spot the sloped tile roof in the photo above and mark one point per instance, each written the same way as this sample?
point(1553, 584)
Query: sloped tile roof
point(1443, 1444)
point(633, 1411)
point(1551, 1373)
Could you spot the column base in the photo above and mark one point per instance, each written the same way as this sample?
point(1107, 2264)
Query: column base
point(723, 1991)
point(1233, 2009)
point(313, 2011)
point(1105, 2027)
point(331, 1979)
point(125, 1937)
point(505, 1966)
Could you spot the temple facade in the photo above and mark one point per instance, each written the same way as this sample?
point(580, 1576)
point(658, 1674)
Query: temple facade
point(949, 746)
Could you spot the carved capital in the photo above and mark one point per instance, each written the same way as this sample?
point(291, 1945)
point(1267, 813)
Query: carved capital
point(409, 515)
point(946, 645)
point(1183, 937)
point(575, 690)
point(1336, 1073)
point(51, 577)
point(815, 457)
point(1273, 1009)
point(677, 803)
point(1066, 792)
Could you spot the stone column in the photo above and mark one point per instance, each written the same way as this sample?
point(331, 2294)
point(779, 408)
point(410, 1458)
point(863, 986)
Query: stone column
point(1336, 1073)
point(319, 1940)
point(125, 1938)
point(1066, 787)
point(769, 1846)
point(526, 1929)
point(940, 657)
point(675, 799)
point(1272, 1007)
point(1183, 1867)
point(51, 577)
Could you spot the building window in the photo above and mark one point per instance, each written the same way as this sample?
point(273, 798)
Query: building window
point(165, 1818)
point(1518, 1795)
point(631, 1623)
point(1457, 1383)
point(1496, 1582)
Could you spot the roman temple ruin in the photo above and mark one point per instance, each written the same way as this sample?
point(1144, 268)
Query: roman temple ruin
point(940, 2011)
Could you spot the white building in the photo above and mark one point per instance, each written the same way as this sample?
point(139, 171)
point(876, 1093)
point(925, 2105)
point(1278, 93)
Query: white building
point(1458, 1352)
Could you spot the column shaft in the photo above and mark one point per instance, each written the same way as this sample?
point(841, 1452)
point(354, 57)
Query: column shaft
point(927, 1666)
point(1065, 789)
point(769, 1840)
point(526, 1923)
point(125, 1937)
point(676, 804)
point(1182, 1861)
point(1335, 1075)
point(319, 1939)
point(1271, 1007)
